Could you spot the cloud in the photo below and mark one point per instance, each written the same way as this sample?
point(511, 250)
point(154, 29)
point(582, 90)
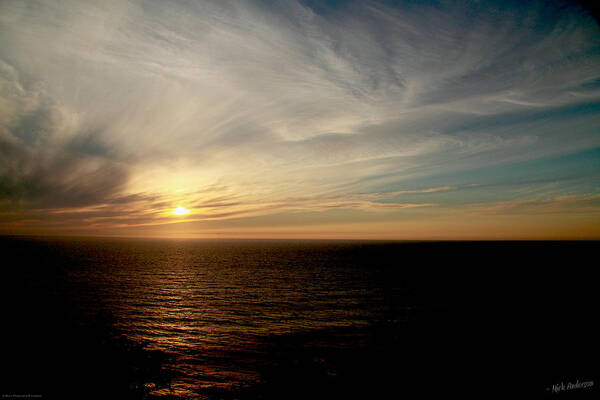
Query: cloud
point(47, 158)
point(587, 204)
point(257, 107)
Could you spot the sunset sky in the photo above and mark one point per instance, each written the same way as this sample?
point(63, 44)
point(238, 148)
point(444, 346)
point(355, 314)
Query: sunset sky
point(300, 119)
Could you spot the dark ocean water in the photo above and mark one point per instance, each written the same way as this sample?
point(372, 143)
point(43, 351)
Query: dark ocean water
point(133, 318)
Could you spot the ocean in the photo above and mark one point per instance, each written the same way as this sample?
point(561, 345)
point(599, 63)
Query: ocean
point(250, 319)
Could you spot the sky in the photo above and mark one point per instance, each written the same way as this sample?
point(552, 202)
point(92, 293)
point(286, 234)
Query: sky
point(414, 120)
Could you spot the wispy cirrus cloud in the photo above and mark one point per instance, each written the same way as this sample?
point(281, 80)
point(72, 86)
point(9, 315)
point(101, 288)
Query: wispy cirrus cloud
point(585, 204)
point(113, 113)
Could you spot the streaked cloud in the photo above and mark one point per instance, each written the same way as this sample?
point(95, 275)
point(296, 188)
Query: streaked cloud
point(588, 205)
point(113, 114)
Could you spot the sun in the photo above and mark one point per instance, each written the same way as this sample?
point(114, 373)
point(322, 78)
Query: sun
point(181, 211)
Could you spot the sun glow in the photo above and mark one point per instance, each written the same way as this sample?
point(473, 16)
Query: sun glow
point(181, 211)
